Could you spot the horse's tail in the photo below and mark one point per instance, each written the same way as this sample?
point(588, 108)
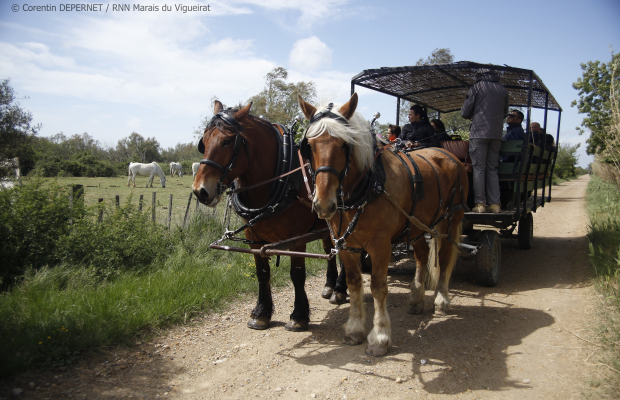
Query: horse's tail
point(433, 267)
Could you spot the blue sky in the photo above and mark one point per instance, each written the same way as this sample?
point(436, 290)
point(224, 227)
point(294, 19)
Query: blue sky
point(155, 72)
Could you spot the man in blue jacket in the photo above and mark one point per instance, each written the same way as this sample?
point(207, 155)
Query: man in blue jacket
point(514, 131)
point(486, 105)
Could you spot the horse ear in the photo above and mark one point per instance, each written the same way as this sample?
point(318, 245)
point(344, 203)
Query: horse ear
point(217, 107)
point(244, 112)
point(348, 109)
point(306, 108)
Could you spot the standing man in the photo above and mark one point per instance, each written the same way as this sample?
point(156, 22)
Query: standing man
point(486, 105)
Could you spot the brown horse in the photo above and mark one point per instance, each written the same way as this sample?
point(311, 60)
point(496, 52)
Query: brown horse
point(339, 158)
point(240, 147)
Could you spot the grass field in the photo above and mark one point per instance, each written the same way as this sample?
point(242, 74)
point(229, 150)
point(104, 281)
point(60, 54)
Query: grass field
point(109, 188)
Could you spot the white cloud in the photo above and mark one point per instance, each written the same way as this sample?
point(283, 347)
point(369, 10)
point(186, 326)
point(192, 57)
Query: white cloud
point(310, 55)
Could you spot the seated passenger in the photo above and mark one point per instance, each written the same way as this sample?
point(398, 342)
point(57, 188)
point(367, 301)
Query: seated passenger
point(393, 132)
point(440, 130)
point(537, 135)
point(514, 131)
point(419, 132)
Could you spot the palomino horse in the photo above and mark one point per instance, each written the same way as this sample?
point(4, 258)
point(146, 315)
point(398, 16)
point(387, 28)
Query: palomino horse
point(176, 168)
point(341, 150)
point(148, 170)
point(240, 147)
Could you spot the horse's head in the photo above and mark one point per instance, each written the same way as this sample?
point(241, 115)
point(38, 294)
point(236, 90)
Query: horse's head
point(225, 153)
point(347, 146)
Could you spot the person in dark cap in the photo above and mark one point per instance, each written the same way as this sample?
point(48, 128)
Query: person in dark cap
point(486, 105)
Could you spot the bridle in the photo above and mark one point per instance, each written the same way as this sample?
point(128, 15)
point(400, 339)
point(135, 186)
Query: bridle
point(239, 142)
point(306, 151)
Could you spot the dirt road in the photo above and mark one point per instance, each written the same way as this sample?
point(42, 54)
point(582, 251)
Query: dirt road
point(514, 341)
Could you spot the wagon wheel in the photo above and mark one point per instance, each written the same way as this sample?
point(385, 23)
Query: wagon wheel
point(526, 232)
point(489, 258)
point(366, 263)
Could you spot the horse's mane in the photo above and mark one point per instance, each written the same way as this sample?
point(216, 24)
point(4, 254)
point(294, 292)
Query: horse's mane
point(356, 133)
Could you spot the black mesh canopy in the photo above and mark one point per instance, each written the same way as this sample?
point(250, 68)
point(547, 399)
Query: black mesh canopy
point(443, 87)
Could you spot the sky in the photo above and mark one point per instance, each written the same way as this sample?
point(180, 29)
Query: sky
point(111, 71)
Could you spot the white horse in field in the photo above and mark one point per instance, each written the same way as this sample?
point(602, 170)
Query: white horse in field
point(176, 168)
point(195, 167)
point(148, 170)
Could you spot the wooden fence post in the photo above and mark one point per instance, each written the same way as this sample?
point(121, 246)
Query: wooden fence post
point(153, 207)
point(140, 204)
point(100, 210)
point(118, 200)
point(197, 203)
point(170, 212)
point(189, 202)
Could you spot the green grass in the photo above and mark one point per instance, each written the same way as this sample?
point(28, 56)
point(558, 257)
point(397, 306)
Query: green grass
point(603, 202)
point(57, 314)
point(109, 188)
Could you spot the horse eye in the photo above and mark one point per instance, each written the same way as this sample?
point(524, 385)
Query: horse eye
point(227, 142)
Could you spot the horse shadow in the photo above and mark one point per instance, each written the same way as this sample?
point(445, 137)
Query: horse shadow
point(444, 354)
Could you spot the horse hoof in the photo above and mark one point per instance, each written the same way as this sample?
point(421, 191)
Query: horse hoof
point(415, 309)
point(259, 323)
point(353, 339)
point(296, 326)
point(327, 292)
point(338, 298)
point(376, 351)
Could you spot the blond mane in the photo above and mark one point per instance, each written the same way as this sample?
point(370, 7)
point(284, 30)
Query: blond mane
point(356, 133)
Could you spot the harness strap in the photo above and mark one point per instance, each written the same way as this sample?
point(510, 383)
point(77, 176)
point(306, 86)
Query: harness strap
point(303, 171)
point(243, 189)
point(433, 232)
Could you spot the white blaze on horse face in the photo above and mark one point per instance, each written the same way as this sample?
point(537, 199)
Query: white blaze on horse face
point(207, 185)
point(326, 151)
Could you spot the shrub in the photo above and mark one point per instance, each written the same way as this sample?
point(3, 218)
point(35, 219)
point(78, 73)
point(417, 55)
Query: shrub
point(84, 164)
point(32, 218)
point(125, 240)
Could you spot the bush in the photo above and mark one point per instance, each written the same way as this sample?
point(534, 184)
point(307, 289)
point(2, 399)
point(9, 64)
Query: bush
point(84, 164)
point(36, 230)
point(32, 218)
point(125, 240)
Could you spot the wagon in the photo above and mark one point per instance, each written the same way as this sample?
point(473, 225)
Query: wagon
point(526, 180)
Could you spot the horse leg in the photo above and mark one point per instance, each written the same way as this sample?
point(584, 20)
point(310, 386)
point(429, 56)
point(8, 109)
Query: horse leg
point(261, 315)
point(332, 271)
point(447, 258)
point(340, 290)
point(354, 328)
point(300, 317)
point(379, 338)
point(416, 300)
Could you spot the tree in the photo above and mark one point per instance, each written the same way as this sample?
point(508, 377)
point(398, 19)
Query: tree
point(278, 100)
point(17, 130)
point(453, 121)
point(566, 161)
point(595, 101)
point(136, 148)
